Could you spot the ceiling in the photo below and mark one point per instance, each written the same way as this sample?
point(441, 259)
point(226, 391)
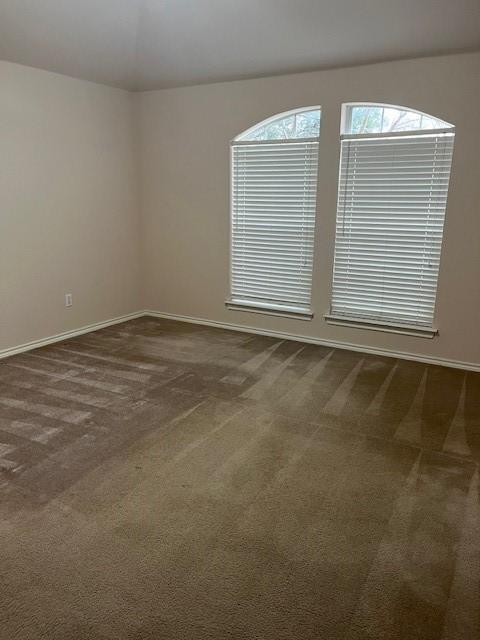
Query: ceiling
point(152, 44)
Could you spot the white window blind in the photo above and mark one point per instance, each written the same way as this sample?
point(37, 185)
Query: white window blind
point(274, 185)
point(391, 208)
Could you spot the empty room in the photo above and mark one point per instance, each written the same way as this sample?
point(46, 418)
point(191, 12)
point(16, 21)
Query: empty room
point(239, 320)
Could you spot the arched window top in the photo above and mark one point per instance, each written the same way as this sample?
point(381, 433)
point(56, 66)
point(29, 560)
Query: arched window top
point(291, 125)
point(368, 118)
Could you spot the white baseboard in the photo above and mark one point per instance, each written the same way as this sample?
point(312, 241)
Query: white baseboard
point(5, 353)
point(471, 366)
point(444, 362)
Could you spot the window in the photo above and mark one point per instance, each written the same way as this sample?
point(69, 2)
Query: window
point(274, 187)
point(393, 185)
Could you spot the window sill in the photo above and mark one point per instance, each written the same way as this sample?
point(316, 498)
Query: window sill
point(282, 312)
point(373, 325)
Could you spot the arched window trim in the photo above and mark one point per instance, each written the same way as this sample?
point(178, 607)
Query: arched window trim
point(346, 123)
point(392, 199)
point(273, 203)
point(242, 138)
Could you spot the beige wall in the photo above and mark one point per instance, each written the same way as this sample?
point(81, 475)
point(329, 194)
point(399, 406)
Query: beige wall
point(185, 136)
point(68, 204)
point(73, 154)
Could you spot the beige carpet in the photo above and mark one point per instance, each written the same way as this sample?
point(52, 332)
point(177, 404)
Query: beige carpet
point(165, 480)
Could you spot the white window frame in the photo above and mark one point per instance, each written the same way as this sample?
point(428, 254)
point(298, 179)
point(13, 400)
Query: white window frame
point(371, 323)
point(275, 309)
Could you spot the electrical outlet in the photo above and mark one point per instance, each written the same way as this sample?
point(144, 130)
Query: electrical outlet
point(68, 299)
